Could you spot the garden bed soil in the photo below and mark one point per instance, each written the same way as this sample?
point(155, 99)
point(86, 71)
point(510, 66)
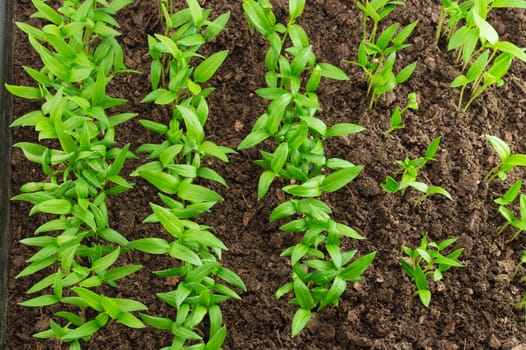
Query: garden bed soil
point(473, 308)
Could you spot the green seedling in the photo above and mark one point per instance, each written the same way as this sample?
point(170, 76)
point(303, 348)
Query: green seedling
point(517, 222)
point(508, 161)
point(377, 56)
point(396, 117)
point(321, 269)
point(409, 172)
point(427, 260)
point(478, 46)
point(175, 169)
point(80, 55)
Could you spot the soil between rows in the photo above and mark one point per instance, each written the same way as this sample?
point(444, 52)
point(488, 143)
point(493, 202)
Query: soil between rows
point(474, 306)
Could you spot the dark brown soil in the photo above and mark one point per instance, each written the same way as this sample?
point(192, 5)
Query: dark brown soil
point(474, 306)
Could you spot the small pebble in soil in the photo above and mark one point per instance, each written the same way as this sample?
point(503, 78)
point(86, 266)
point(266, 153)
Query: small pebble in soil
point(494, 342)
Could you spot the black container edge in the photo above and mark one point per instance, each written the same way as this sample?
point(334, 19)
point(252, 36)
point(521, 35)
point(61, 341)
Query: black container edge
point(6, 107)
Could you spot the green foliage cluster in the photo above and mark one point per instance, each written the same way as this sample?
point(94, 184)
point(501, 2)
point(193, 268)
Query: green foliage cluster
point(178, 72)
point(321, 269)
point(77, 248)
point(508, 162)
point(514, 213)
point(377, 53)
point(428, 260)
point(485, 58)
point(409, 170)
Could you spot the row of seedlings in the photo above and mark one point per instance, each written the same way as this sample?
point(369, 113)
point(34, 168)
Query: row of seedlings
point(178, 72)
point(321, 269)
point(81, 162)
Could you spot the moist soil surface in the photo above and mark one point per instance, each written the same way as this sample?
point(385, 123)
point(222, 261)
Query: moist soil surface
point(472, 308)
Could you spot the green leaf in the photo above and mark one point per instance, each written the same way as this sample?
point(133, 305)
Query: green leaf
point(179, 251)
point(354, 271)
point(271, 93)
point(154, 126)
point(408, 268)
point(425, 296)
point(485, 29)
point(294, 226)
point(217, 339)
point(161, 323)
point(332, 72)
point(509, 3)
point(211, 174)
point(334, 293)
point(300, 320)
point(231, 277)
point(169, 220)
point(150, 245)
point(130, 320)
point(197, 194)
point(432, 149)
point(32, 151)
point(204, 238)
point(344, 129)
point(211, 149)
point(24, 91)
point(206, 69)
point(477, 68)
point(314, 208)
point(298, 252)
point(254, 138)
point(502, 149)
point(89, 297)
point(166, 183)
point(43, 300)
point(52, 206)
point(217, 25)
point(86, 330)
point(284, 289)
point(168, 155)
point(279, 157)
point(296, 8)
point(195, 10)
point(512, 49)
point(119, 161)
point(37, 266)
point(111, 307)
point(510, 194)
point(194, 128)
point(257, 17)
point(46, 12)
point(420, 278)
point(303, 190)
point(405, 73)
point(120, 272)
point(404, 33)
point(314, 79)
point(265, 180)
point(106, 261)
point(439, 190)
point(283, 210)
point(340, 178)
point(303, 295)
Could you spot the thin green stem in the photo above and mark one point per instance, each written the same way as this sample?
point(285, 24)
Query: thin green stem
point(440, 24)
